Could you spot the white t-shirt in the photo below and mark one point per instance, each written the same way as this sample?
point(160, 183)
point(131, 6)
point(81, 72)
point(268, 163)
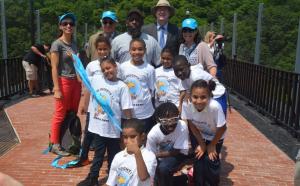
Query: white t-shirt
point(123, 171)
point(116, 94)
point(140, 81)
point(93, 68)
point(196, 74)
point(179, 139)
point(166, 86)
point(207, 121)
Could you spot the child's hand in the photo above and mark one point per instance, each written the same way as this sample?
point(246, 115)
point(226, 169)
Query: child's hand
point(69, 53)
point(133, 146)
point(212, 153)
point(199, 151)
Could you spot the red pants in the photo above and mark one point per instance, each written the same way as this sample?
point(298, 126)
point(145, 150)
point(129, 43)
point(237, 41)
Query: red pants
point(71, 93)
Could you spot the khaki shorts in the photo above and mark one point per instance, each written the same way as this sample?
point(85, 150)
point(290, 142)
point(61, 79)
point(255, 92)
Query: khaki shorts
point(31, 70)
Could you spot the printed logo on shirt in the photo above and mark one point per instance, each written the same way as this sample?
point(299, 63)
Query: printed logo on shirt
point(133, 83)
point(204, 127)
point(166, 145)
point(162, 87)
point(107, 97)
point(124, 175)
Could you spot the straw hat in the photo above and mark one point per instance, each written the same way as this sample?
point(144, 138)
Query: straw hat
point(164, 3)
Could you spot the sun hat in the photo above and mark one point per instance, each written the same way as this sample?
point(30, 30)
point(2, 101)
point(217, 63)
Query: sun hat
point(163, 3)
point(189, 23)
point(67, 15)
point(109, 14)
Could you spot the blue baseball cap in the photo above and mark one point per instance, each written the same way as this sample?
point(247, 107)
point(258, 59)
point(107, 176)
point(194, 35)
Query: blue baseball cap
point(189, 23)
point(109, 14)
point(67, 15)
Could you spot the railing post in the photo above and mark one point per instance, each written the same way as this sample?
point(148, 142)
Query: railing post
point(297, 62)
point(222, 26)
point(234, 36)
point(38, 27)
point(258, 34)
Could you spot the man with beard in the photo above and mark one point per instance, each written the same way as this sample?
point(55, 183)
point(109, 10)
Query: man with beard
point(166, 34)
point(120, 45)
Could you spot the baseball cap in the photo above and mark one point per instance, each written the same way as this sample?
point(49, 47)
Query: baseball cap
point(67, 15)
point(110, 14)
point(189, 23)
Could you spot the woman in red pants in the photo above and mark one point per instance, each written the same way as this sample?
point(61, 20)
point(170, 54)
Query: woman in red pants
point(67, 88)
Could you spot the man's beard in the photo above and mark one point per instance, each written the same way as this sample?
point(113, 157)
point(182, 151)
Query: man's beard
point(134, 32)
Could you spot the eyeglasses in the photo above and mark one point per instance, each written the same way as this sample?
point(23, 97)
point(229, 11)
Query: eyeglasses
point(67, 23)
point(107, 22)
point(169, 122)
point(184, 30)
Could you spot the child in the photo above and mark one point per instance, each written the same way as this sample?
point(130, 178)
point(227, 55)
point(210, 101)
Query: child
point(139, 77)
point(106, 135)
point(207, 122)
point(189, 74)
point(167, 84)
point(135, 165)
point(169, 141)
point(103, 47)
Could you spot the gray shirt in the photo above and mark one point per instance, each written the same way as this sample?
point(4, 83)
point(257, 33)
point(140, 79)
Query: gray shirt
point(65, 65)
point(120, 48)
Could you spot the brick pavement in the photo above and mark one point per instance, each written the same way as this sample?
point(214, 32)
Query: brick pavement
point(248, 158)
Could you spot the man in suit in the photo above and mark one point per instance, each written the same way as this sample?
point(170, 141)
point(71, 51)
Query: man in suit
point(165, 33)
point(109, 22)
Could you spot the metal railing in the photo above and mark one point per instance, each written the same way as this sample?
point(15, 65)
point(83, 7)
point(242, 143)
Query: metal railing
point(273, 92)
point(13, 79)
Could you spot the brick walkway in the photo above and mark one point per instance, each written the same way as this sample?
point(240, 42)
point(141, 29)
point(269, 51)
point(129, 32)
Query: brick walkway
point(248, 157)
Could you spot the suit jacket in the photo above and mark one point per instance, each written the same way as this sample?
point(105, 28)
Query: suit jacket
point(173, 35)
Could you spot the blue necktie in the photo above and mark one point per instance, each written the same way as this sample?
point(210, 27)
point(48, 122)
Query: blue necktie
point(162, 37)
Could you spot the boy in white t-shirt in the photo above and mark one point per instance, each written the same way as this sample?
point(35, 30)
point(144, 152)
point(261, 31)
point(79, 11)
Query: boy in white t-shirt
point(134, 166)
point(188, 74)
point(169, 140)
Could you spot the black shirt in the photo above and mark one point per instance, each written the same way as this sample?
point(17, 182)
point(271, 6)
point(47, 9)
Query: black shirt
point(33, 58)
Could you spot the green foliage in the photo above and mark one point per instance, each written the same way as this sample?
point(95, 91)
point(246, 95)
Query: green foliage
point(279, 25)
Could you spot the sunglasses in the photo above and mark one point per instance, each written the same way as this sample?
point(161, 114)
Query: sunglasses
point(169, 122)
point(107, 22)
point(67, 23)
point(185, 30)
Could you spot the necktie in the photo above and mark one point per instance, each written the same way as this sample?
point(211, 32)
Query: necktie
point(162, 37)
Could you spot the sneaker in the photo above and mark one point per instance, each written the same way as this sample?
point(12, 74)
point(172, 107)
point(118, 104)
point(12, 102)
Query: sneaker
point(34, 95)
point(89, 181)
point(56, 149)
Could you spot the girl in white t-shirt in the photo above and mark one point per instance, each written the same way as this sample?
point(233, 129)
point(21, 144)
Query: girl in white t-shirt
point(103, 47)
point(169, 140)
point(106, 136)
point(207, 123)
point(139, 77)
point(166, 83)
point(134, 166)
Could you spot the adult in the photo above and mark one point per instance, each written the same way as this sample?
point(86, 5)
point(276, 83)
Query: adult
point(120, 45)
point(31, 61)
point(190, 40)
point(67, 88)
point(205, 57)
point(210, 40)
point(109, 22)
point(165, 33)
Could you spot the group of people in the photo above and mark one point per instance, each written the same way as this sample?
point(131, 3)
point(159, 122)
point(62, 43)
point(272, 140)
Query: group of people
point(160, 82)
